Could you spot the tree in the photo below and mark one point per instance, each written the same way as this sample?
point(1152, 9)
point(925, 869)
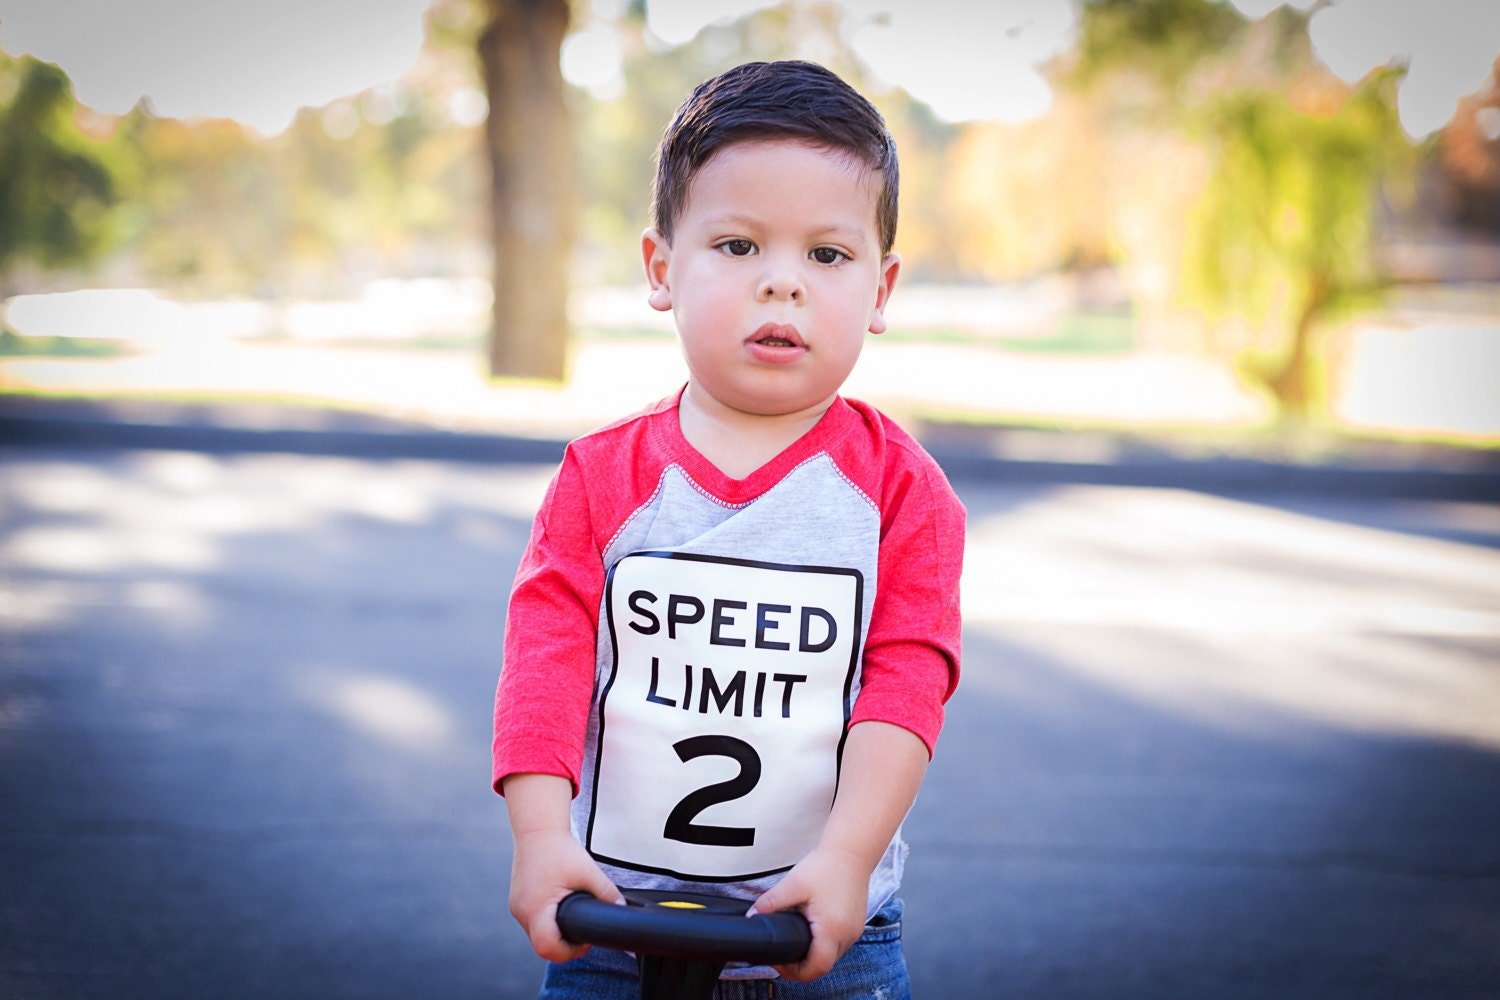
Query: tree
point(1281, 230)
point(1285, 230)
point(55, 188)
point(205, 208)
point(529, 144)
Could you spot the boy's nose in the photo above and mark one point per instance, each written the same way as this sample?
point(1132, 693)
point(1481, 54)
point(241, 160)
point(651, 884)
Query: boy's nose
point(782, 283)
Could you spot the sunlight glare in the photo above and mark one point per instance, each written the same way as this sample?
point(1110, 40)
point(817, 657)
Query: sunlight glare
point(1230, 612)
point(677, 21)
point(1448, 45)
point(968, 62)
point(591, 59)
point(257, 63)
point(391, 710)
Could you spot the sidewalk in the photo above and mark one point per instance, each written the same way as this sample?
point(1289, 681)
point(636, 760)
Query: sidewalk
point(979, 410)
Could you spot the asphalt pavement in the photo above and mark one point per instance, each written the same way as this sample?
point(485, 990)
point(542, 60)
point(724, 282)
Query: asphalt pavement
point(1210, 742)
point(1389, 468)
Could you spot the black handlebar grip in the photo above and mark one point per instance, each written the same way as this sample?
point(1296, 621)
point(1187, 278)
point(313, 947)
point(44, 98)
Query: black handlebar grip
point(686, 926)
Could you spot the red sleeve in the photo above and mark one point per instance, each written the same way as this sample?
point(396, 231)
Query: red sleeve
point(547, 678)
point(912, 648)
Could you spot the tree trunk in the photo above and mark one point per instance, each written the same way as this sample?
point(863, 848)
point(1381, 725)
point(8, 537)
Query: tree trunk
point(1293, 384)
point(530, 152)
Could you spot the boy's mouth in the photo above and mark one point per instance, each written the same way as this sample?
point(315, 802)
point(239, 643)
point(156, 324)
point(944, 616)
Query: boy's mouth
point(777, 335)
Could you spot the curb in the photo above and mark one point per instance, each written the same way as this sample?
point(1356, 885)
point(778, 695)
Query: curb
point(219, 428)
point(436, 445)
point(1238, 477)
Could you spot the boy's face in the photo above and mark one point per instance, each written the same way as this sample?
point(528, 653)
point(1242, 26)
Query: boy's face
point(774, 275)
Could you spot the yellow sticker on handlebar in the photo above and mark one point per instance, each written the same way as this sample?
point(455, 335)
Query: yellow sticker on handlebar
point(678, 904)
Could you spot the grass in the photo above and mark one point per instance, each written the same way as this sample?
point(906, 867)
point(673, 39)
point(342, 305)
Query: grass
point(15, 345)
point(1075, 334)
point(185, 397)
point(436, 343)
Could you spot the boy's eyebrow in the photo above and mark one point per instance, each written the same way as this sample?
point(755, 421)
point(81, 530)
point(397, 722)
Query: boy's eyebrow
point(851, 233)
point(730, 217)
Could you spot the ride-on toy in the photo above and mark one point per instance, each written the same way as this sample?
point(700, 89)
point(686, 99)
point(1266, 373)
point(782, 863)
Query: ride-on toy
point(683, 940)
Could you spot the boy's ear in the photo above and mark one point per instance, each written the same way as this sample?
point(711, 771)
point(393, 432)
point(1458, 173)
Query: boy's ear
point(656, 254)
point(889, 268)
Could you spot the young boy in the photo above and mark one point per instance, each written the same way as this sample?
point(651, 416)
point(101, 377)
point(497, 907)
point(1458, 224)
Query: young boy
point(736, 624)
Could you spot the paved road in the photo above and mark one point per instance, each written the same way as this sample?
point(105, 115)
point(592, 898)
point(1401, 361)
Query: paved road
point(1204, 746)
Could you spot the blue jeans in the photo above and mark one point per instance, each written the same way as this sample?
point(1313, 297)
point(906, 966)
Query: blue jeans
point(874, 966)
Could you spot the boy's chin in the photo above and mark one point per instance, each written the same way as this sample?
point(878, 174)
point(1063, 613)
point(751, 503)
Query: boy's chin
point(767, 406)
point(786, 409)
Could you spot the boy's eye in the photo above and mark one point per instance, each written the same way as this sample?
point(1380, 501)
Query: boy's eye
point(828, 255)
point(737, 248)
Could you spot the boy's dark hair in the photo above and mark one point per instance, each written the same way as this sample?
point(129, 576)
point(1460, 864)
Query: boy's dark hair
point(773, 100)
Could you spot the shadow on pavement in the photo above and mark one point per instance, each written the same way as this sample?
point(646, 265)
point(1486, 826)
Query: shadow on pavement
point(1072, 840)
point(244, 724)
point(247, 714)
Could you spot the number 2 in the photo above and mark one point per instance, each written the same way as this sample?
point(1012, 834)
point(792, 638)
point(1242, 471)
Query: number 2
point(680, 825)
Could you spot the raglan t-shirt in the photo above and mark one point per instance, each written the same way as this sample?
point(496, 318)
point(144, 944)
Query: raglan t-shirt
point(690, 650)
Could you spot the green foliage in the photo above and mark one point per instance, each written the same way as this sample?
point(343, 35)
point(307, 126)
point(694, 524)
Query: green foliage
point(1287, 215)
point(1284, 235)
point(1279, 231)
point(204, 207)
point(1162, 41)
point(55, 187)
point(366, 186)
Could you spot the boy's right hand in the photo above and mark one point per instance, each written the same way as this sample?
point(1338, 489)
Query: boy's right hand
point(548, 863)
point(547, 866)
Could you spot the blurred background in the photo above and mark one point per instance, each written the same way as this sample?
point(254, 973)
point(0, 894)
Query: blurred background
point(1200, 310)
point(1238, 220)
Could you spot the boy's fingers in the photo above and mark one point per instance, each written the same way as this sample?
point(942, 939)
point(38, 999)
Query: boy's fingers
point(547, 941)
point(774, 900)
point(828, 946)
point(601, 887)
point(817, 963)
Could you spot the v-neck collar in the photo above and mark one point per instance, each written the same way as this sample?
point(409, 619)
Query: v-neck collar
point(830, 428)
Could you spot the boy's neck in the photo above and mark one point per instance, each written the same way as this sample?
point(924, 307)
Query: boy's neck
point(736, 442)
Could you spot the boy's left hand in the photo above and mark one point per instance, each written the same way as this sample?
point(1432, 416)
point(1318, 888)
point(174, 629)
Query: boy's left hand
point(831, 888)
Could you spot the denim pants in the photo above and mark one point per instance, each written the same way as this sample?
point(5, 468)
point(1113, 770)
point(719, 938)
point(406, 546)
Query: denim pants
point(874, 966)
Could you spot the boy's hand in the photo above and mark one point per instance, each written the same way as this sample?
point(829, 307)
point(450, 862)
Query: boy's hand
point(882, 769)
point(547, 866)
point(548, 863)
point(831, 888)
